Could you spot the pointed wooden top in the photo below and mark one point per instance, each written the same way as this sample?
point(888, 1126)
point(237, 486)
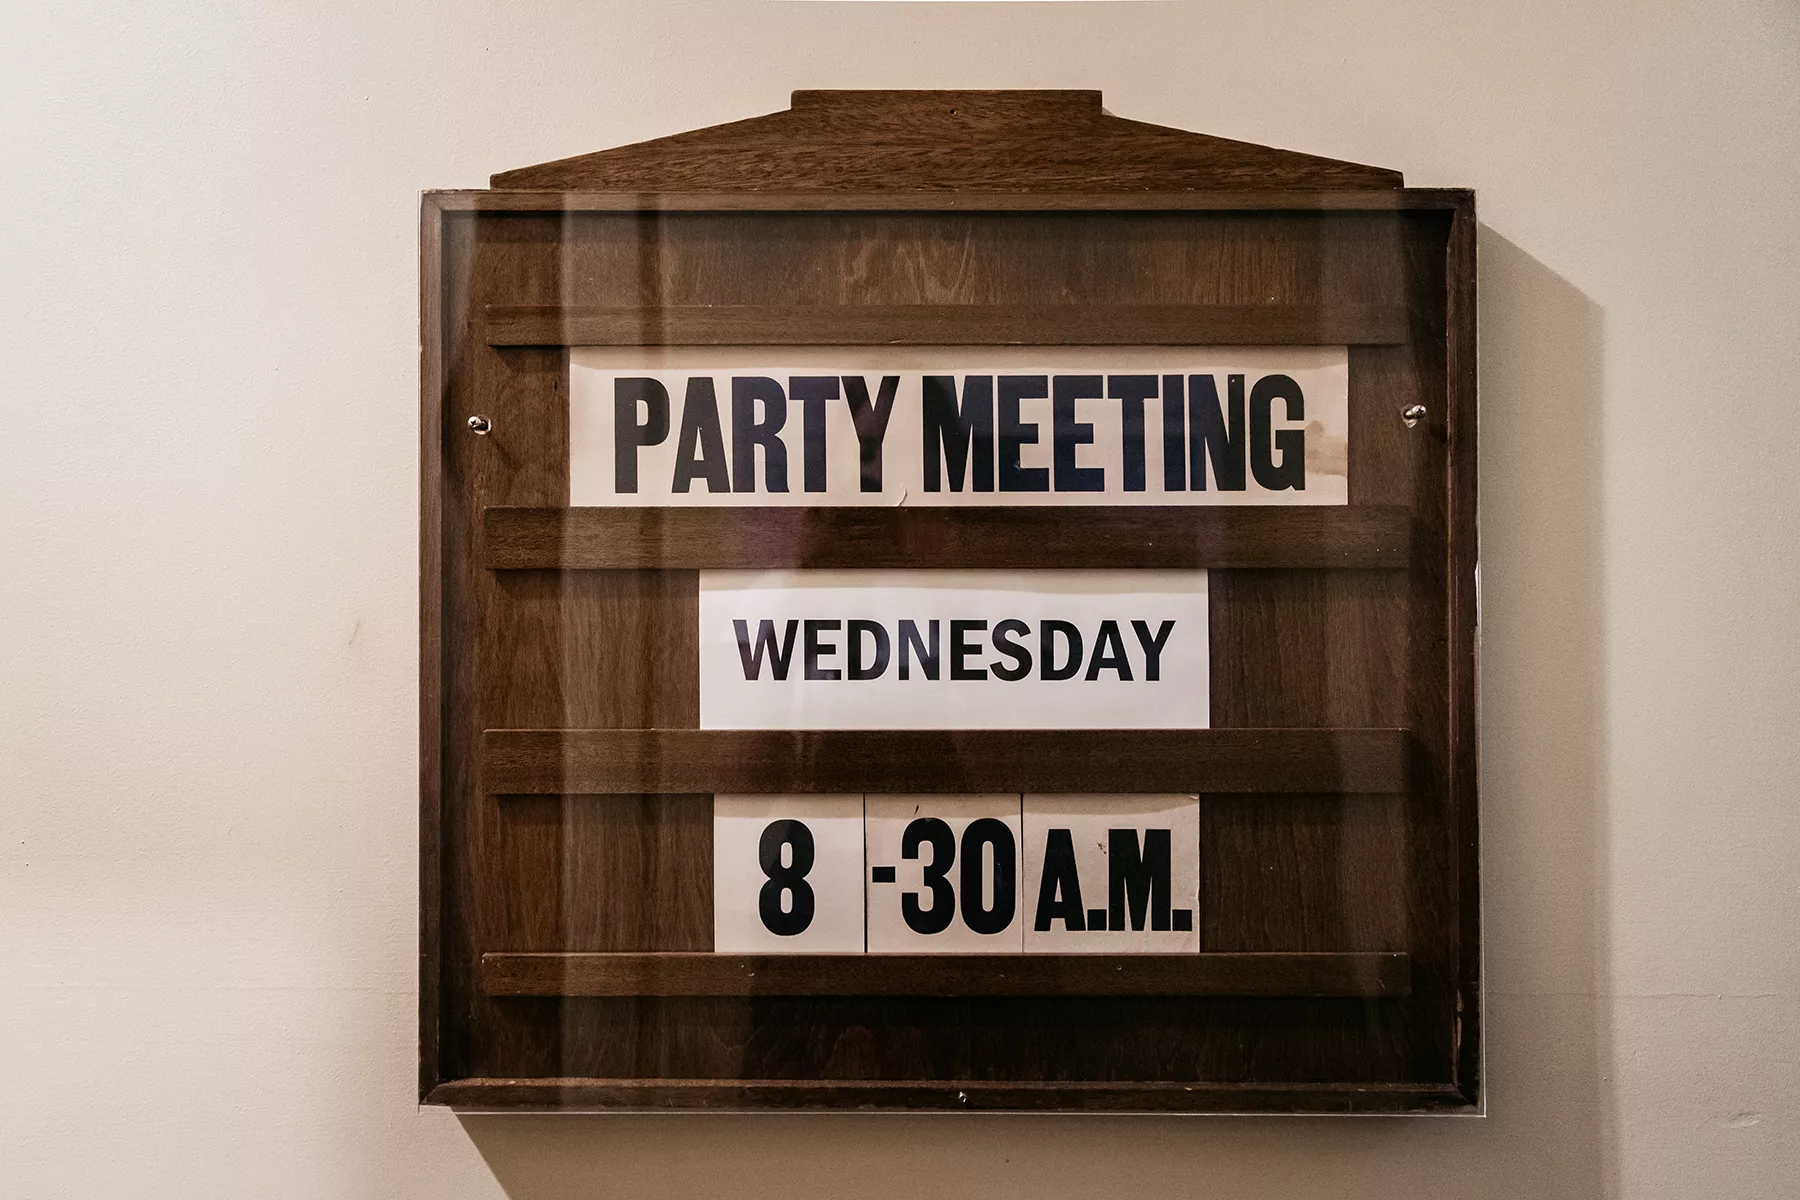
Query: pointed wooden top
point(908, 141)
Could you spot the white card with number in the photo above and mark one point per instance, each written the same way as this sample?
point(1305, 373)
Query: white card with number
point(788, 874)
point(1111, 874)
point(943, 874)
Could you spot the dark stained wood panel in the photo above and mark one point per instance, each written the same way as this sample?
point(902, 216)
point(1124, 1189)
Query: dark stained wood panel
point(1021, 141)
point(435, 902)
point(1299, 641)
point(1182, 1040)
point(1373, 536)
point(1129, 264)
point(974, 1095)
point(1304, 872)
point(614, 873)
point(593, 649)
point(676, 974)
point(637, 761)
point(946, 325)
point(1334, 200)
point(1462, 815)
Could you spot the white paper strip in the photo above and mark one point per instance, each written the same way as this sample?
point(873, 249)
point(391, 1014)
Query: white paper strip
point(953, 650)
point(935, 426)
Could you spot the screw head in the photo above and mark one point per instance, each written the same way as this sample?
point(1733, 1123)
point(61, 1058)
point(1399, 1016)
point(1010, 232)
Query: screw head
point(1412, 414)
point(480, 425)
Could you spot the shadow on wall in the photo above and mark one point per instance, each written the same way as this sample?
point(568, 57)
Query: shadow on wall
point(1549, 1130)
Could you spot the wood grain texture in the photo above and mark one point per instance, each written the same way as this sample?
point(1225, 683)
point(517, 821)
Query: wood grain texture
point(946, 325)
point(1336, 200)
point(1362, 537)
point(1019, 141)
point(594, 649)
point(432, 897)
point(449, 599)
point(600, 874)
point(1304, 872)
point(1464, 587)
point(1176, 1040)
point(1385, 868)
point(975, 1095)
point(638, 761)
point(676, 974)
point(524, 461)
point(1142, 261)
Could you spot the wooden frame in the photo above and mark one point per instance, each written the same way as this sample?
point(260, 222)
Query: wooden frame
point(679, 974)
point(1380, 1028)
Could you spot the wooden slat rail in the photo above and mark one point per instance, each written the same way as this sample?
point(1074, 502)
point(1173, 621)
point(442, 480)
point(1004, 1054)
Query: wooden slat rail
point(946, 538)
point(579, 1093)
point(686, 761)
point(768, 325)
point(1247, 200)
point(700, 974)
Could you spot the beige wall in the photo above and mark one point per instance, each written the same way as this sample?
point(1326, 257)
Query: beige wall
point(207, 588)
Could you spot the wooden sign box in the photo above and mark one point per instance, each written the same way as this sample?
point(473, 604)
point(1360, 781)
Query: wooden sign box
point(566, 801)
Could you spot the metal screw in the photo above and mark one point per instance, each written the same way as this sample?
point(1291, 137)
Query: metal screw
point(482, 425)
point(1412, 414)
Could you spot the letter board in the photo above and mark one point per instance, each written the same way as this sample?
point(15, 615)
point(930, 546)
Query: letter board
point(935, 620)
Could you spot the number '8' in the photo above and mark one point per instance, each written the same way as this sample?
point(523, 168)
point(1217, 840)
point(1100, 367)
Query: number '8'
point(789, 880)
